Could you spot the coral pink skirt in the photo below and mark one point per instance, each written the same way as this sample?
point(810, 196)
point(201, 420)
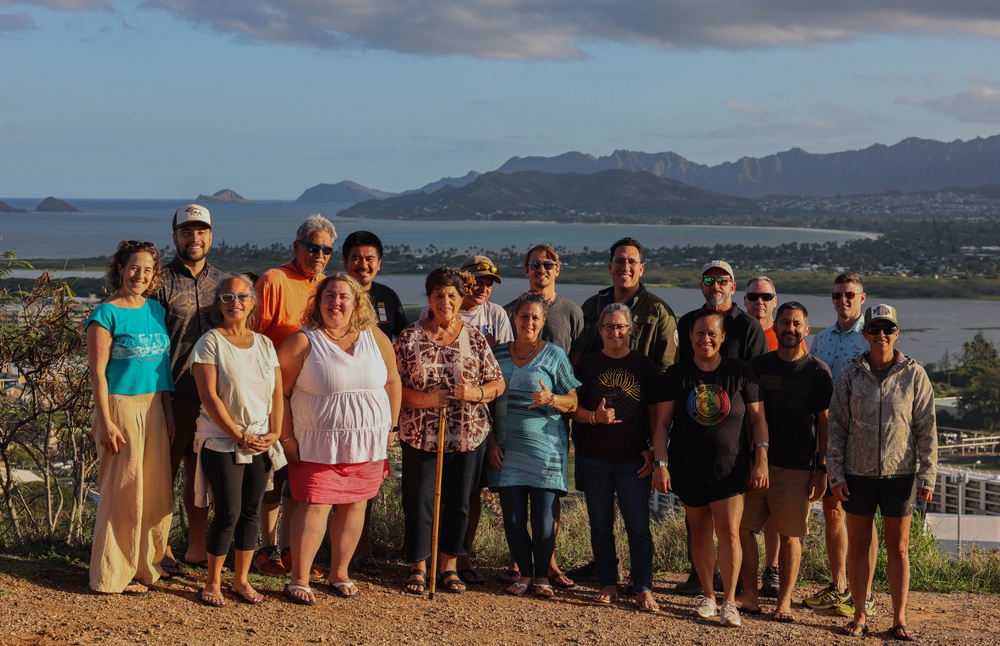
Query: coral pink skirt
point(336, 484)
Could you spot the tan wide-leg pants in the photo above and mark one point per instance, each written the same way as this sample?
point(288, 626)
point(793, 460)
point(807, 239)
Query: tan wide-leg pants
point(134, 512)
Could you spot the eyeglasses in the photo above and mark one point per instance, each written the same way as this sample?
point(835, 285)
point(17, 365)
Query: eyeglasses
point(548, 264)
point(621, 262)
point(242, 297)
point(136, 244)
point(611, 327)
point(721, 281)
point(760, 296)
point(887, 330)
point(316, 248)
point(848, 295)
point(483, 266)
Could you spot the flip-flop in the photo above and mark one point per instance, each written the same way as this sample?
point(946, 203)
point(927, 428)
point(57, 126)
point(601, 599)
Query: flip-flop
point(647, 605)
point(517, 589)
point(604, 598)
point(366, 565)
point(509, 576)
point(341, 589)
point(290, 589)
point(784, 617)
point(212, 601)
point(855, 629)
point(899, 632)
point(560, 580)
point(544, 591)
point(254, 599)
point(471, 577)
point(134, 593)
point(171, 568)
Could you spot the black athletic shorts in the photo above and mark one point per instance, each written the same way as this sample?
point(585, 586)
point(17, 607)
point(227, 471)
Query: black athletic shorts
point(894, 497)
point(698, 494)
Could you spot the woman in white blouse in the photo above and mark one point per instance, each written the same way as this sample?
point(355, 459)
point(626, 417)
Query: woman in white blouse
point(239, 384)
point(342, 386)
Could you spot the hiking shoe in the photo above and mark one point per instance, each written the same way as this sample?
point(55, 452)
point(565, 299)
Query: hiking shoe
point(847, 608)
point(691, 587)
point(268, 562)
point(828, 598)
point(704, 608)
point(769, 585)
point(730, 615)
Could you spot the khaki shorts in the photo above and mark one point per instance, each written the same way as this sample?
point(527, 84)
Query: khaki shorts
point(786, 500)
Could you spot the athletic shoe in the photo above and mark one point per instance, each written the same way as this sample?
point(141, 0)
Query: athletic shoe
point(770, 585)
point(847, 608)
point(705, 608)
point(828, 598)
point(730, 615)
point(268, 562)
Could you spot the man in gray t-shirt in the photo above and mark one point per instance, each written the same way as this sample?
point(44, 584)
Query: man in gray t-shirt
point(564, 322)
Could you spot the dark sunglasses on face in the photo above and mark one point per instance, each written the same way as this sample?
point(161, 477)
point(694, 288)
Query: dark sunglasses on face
point(484, 266)
point(242, 297)
point(887, 330)
point(721, 281)
point(760, 296)
point(848, 295)
point(548, 264)
point(315, 248)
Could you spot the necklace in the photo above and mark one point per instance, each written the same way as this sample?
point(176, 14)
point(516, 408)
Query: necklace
point(327, 332)
point(527, 356)
point(442, 333)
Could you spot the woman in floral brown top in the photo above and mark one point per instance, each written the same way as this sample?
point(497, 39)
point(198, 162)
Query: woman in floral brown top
point(443, 363)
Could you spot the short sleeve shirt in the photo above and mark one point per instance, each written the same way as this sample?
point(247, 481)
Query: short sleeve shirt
point(837, 348)
point(140, 348)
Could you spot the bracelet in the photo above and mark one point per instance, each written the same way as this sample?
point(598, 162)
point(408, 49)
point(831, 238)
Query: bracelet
point(287, 439)
point(660, 463)
point(593, 417)
point(552, 400)
point(482, 395)
point(762, 445)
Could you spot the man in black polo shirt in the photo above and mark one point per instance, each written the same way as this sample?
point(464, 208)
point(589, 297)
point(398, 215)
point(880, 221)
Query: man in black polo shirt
point(188, 296)
point(744, 339)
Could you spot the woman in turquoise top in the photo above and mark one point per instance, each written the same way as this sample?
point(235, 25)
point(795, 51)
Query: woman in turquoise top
point(128, 354)
point(529, 443)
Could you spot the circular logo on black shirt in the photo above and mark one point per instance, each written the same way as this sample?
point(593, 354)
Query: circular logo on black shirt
point(708, 404)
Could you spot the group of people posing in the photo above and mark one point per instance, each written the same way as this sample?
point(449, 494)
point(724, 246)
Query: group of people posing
point(280, 395)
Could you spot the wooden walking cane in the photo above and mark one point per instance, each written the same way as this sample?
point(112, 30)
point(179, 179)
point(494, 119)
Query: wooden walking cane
point(437, 505)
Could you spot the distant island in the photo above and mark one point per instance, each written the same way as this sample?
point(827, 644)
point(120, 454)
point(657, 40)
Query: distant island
point(226, 195)
point(7, 208)
point(347, 192)
point(55, 205)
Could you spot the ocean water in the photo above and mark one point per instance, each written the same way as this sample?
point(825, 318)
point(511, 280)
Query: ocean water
point(102, 223)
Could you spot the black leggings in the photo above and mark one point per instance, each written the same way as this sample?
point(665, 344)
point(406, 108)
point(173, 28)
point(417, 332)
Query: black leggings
point(237, 490)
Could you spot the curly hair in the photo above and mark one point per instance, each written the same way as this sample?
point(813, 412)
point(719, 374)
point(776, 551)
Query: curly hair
point(448, 277)
point(123, 252)
point(362, 318)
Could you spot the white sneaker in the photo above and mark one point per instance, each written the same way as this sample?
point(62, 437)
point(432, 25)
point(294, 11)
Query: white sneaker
point(705, 607)
point(730, 615)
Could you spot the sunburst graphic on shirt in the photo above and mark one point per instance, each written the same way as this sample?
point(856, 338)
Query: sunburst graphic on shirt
point(708, 404)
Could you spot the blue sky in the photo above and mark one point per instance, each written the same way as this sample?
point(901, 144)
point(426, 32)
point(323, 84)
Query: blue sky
point(171, 98)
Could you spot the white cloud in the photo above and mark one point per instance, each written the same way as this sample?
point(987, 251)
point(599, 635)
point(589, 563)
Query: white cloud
point(978, 104)
point(16, 22)
point(750, 111)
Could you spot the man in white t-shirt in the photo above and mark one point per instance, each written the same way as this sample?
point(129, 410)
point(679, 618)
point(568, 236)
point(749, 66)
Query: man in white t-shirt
point(477, 310)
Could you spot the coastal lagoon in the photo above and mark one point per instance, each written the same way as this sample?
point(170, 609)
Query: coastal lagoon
point(96, 230)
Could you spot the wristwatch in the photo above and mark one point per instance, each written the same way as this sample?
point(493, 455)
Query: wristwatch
point(660, 463)
point(821, 467)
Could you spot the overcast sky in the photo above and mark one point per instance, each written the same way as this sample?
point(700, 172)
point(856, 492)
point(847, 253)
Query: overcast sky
point(171, 98)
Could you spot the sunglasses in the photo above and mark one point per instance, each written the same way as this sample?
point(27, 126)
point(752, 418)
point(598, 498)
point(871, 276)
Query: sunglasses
point(136, 244)
point(242, 297)
point(848, 295)
point(611, 327)
point(760, 296)
point(721, 281)
point(887, 330)
point(316, 248)
point(548, 264)
point(484, 266)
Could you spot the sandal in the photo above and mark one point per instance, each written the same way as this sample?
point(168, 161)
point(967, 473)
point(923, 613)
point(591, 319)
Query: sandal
point(603, 598)
point(343, 589)
point(211, 600)
point(171, 568)
point(544, 591)
point(417, 582)
point(366, 565)
point(645, 602)
point(855, 629)
point(291, 589)
point(471, 577)
point(902, 633)
point(253, 598)
point(517, 589)
point(784, 617)
point(451, 583)
point(138, 589)
point(560, 580)
point(509, 576)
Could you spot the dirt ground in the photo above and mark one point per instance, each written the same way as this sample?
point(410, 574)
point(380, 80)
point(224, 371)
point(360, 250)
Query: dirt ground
point(51, 604)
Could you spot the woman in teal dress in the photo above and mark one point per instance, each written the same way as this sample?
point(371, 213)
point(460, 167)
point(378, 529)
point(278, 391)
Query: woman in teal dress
point(529, 444)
